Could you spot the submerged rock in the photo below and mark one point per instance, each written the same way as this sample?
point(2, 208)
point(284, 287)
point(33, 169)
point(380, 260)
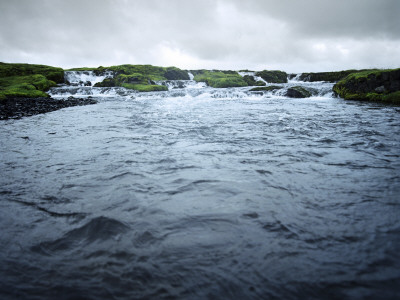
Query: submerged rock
point(298, 92)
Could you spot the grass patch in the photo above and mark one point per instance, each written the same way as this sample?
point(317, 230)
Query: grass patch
point(218, 79)
point(51, 73)
point(25, 86)
point(370, 85)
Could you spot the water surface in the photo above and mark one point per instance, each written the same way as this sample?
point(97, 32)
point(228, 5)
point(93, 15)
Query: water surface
point(201, 194)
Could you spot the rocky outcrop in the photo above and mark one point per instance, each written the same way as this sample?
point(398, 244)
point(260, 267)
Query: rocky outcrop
point(173, 73)
point(273, 76)
point(372, 85)
point(326, 76)
point(298, 92)
point(251, 81)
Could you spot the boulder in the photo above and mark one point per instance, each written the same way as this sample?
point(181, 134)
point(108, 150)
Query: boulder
point(298, 92)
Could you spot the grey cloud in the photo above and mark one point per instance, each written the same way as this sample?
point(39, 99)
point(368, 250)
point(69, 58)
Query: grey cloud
point(292, 35)
point(341, 18)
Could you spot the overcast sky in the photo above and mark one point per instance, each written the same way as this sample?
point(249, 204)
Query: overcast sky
point(290, 35)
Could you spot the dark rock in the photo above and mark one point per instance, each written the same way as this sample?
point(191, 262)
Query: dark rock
point(326, 76)
point(266, 88)
point(176, 74)
point(251, 81)
point(273, 76)
point(297, 92)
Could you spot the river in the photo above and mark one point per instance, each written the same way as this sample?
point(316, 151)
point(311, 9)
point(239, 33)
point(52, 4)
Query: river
point(201, 193)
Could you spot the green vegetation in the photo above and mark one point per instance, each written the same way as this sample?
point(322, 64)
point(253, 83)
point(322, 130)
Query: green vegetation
point(266, 88)
point(252, 82)
point(327, 76)
point(135, 81)
point(219, 79)
point(145, 87)
point(51, 73)
point(138, 77)
point(25, 80)
point(298, 92)
point(370, 85)
point(24, 86)
point(273, 76)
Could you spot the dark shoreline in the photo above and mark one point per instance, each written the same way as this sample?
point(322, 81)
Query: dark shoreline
point(16, 108)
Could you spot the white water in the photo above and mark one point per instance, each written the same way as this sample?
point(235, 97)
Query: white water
point(295, 79)
point(256, 78)
point(179, 89)
point(80, 78)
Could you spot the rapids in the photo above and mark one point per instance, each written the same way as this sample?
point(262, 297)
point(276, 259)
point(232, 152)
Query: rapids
point(201, 193)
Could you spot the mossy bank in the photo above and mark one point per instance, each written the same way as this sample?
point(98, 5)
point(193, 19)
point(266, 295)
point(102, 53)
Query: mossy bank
point(141, 78)
point(370, 85)
point(26, 80)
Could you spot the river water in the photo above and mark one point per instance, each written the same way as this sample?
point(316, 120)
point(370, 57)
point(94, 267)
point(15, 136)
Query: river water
point(198, 193)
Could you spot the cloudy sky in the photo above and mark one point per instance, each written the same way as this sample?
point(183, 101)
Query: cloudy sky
point(290, 35)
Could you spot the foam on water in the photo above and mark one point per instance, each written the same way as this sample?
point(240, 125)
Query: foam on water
point(201, 193)
point(81, 78)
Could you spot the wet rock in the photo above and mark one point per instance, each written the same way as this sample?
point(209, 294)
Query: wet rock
point(297, 92)
point(266, 88)
point(273, 76)
point(252, 82)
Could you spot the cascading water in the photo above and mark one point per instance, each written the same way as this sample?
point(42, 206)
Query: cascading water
point(178, 88)
point(85, 78)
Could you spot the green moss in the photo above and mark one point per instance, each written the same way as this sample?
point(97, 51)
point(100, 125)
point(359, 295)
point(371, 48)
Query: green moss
point(298, 92)
point(51, 73)
point(138, 76)
point(365, 85)
point(144, 87)
point(25, 86)
point(266, 88)
point(220, 79)
point(273, 76)
point(327, 76)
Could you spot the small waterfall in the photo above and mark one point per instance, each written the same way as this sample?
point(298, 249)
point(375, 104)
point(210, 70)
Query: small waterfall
point(191, 76)
point(81, 85)
point(85, 78)
point(181, 84)
point(256, 78)
point(295, 78)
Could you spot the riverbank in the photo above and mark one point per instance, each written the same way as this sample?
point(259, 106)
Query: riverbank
point(16, 108)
